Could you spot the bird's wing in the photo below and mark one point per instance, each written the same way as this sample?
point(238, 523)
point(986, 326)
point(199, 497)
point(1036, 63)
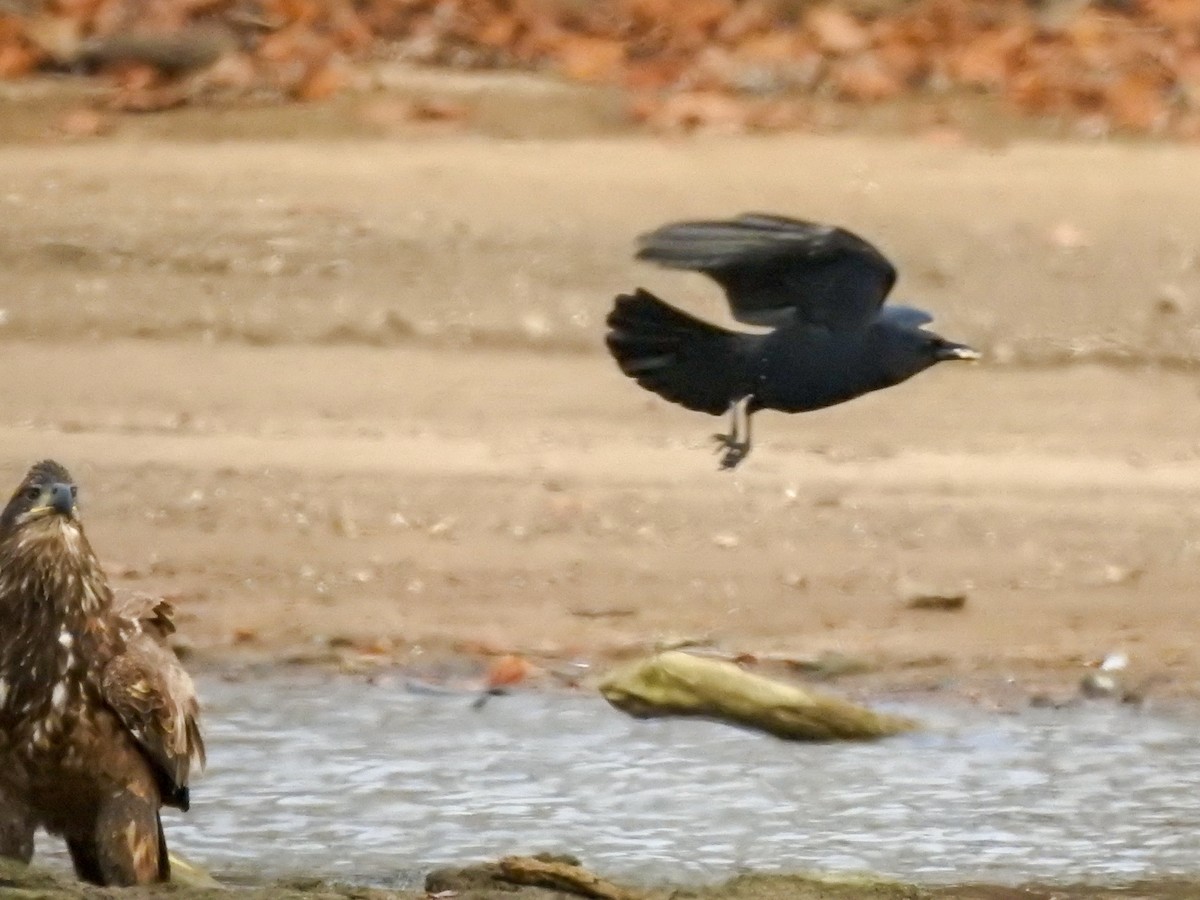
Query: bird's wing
point(138, 612)
point(774, 268)
point(153, 696)
point(904, 316)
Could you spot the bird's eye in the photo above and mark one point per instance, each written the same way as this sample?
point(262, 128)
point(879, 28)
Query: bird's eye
point(33, 492)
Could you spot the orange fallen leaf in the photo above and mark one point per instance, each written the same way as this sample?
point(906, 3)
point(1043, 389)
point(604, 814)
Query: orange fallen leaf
point(506, 671)
point(702, 17)
point(321, 82)
point(376, 647)
point(907, 61)
point(863, 79)
point(17, 59)
point(985, 62)
point(1179, 14)
point(500, 30)
point(304, 11)
point(836, 31)
point(590, 59)
point(1137, 103)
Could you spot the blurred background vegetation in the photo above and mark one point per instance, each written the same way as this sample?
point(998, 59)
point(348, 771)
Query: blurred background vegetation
point(1093, 68)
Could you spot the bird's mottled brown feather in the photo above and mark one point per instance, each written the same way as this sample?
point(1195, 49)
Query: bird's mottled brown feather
point(153, 696)
point(98, 720)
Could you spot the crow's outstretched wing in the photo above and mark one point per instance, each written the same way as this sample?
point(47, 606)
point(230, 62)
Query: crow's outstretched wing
point(775, 269)
point(904, 316)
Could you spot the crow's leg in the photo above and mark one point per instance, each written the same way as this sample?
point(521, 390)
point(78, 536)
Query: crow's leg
point(725, 441)
point(735, 446)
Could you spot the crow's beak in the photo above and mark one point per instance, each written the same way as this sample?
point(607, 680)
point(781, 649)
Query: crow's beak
point(948, 350)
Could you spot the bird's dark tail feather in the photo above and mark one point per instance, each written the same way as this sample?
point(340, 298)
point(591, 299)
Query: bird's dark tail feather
point(677, 356)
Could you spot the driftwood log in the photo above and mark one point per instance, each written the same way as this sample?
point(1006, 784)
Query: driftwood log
point(556, 872)
point(681, 684)
point(563, 877)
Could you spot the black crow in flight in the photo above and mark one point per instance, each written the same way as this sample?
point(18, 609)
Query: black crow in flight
point(820, 289)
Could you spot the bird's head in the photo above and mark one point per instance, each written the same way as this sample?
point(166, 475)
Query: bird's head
point(907, 350)
point(47, 490)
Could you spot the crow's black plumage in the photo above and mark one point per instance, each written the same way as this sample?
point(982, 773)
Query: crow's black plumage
point(819, 288)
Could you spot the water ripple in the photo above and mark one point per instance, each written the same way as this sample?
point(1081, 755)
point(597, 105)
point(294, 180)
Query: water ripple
point(378, 784)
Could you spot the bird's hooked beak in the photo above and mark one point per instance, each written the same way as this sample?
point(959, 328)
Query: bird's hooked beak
point(62, 498)
point(948, 350)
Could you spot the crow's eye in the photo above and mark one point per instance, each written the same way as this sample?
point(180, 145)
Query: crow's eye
point(33, 493)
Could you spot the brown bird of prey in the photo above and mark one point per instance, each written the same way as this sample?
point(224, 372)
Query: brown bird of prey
point(98, 721)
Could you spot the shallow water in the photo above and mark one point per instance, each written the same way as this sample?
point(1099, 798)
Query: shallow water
point(377, 784)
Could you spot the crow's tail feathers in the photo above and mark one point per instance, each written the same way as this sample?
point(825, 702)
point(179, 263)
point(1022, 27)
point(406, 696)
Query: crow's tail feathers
point(681, 358)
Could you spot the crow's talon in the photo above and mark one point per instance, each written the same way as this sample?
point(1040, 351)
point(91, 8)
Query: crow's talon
point(723, 442)
point(735, 452)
